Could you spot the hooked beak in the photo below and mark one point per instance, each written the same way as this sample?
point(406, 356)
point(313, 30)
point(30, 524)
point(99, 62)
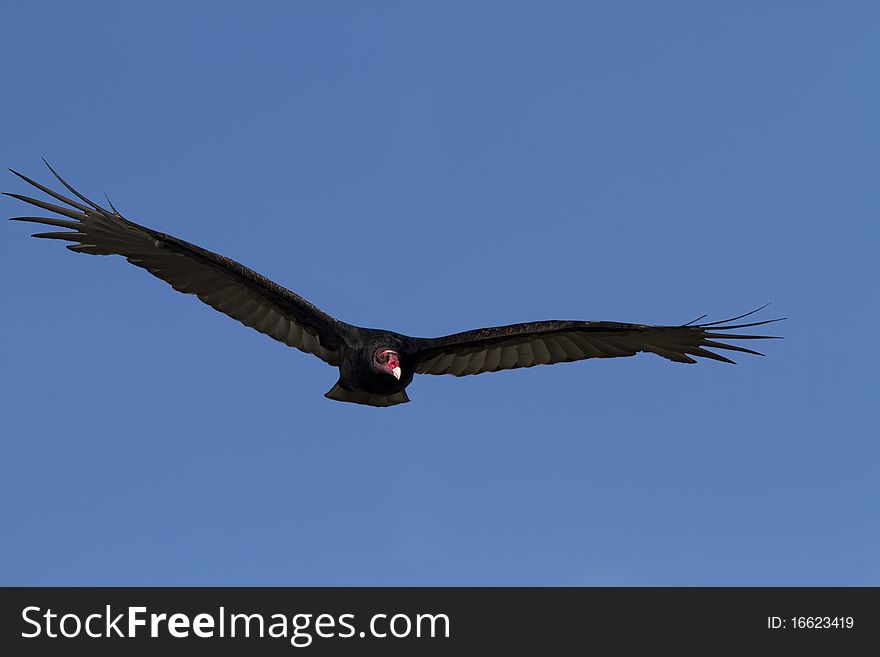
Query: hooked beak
point(396, 373)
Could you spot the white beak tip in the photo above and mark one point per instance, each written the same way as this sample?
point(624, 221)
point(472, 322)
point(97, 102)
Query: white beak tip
point(396, 373)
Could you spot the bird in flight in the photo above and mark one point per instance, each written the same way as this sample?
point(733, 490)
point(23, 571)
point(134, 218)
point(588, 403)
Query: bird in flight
point(375, 366)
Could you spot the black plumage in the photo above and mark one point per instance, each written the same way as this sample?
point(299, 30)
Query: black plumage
point(375, 366)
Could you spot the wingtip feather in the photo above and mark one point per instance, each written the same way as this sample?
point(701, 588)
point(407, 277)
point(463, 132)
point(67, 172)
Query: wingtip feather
point(72, 190)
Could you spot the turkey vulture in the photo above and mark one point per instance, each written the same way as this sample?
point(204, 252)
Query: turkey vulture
point(375, 367)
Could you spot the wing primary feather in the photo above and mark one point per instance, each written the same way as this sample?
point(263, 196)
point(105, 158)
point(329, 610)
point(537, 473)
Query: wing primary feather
point(46, 206)
point(71, 237)
point(51, 192)
point(731, 327)
point(61, 223)
point(675, 356)
point(112, 207)
point(72, 190)
point(704, 353)
point(733, 319)
point(731, 347)
point(694, 321)
point(729, 336)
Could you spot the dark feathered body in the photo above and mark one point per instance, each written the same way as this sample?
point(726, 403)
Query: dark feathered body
point(357, 373)
point(375, 366)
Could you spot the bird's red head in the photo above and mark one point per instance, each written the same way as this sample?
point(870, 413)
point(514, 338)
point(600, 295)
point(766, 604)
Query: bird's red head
point(388, 361)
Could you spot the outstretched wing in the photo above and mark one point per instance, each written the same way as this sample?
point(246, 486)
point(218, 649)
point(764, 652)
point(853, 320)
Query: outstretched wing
point(546, 343)
point(223, 284)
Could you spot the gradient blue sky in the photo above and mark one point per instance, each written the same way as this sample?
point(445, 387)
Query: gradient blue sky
point(640, 161)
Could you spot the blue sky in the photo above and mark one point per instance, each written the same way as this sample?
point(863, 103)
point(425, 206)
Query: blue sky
point(617, 161)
